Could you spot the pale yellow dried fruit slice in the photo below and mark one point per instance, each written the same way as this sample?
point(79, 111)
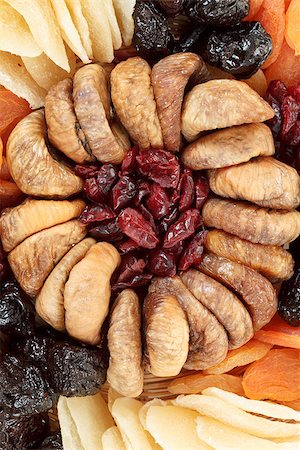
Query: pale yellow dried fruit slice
point(113, 23)
point(14, 76)
point(112, 395)
point(75, 9)
point(112, 439)
point(145, 408)
point(69, 433)
point(41, 20)
point(15, 35)
point(124, 11)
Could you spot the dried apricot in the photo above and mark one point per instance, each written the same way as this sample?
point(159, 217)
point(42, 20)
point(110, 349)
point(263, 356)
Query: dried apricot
point(278, 332)
point(254, 6)
point(286, 68)
point(292, 28)
point(193, 384)
point(249, 352)
point(295, 404)
point(287, 3)
point(12, 108)
point(1, 152)
point(274, 377)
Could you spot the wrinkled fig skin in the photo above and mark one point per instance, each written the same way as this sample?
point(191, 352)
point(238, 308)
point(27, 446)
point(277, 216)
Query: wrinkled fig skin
point(228, 147)
point(32, 167)
point(63, 127)
point(92, 107)
point(169, 78)
point(33, 259)
point(251, 222)
point(32, 216)
point(50, 301)
point(120, 134)
point(263, 181)
point(167, 334)
point(87, 292)
point(221, 104)
point(125, 373)
point(256, 291)
point(208, 339)
point(271, 261)
point(133, 99)
point(227, 308)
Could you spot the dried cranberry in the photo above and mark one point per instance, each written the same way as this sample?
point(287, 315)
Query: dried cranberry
point(201, 189)
point(159, 166)
point(128, 246)
point(96, 213)
point(276, 122)
point(193, 253)
point(292, 137)
point(183, 228)
point(175, 196)
point(143, 188)
point(123, 192)
point(107, 177)
point(186, 190)
point(167, 221)
point(135, 226)
point(93, 190)
point(294, 91)
point(129, 163)
point(290, 109)
point(107, 230)
point(162, 263)
point(130, 267)
point(158, 201)
point(278, 90)
point(4, 266)
point(137, 281)
point(86, 171)
point(177, 249)
point(148, 216)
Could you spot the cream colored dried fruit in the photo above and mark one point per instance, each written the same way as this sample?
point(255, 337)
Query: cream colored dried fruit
point(133, 99)
point(31, 216)
point(264, 181)
point(31, 165)
point(33, 259)
point(228, 147)
point(87, 292)
point(221, 104)
point(125, 373)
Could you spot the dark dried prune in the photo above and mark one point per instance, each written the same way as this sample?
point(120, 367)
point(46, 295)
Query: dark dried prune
point(289, 298)
point(36, 348)
point(52, 442)
point(218, 13)
point(123, 192)
point(159, 166)
point(137, 228)
point(240, 51)
point(107, 230)
point(189, 42)
point(96, 213)
point(183, 228)
point(20, 433)
point(172, 7)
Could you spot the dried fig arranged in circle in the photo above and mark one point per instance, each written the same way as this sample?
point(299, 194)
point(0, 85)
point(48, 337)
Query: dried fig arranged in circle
point(64, 131)
point(221, 104)
point(133, 99)
point(125, 373)
point(31, 165)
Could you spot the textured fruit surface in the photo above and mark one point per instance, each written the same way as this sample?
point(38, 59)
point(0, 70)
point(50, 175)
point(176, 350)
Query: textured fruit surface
point(292, 28)
point(218, 13)
point(193, 384)
point(254, 6)
point(278, 332)
point(274, 377)
point(12, 108)
point(286, 68)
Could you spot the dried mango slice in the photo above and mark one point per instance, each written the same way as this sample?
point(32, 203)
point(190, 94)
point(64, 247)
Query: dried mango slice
point(193, 384)
point(278, 332)
point(292, 27)
point(286, 68)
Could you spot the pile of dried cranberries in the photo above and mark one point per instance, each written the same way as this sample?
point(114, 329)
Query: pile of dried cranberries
point(149, 209)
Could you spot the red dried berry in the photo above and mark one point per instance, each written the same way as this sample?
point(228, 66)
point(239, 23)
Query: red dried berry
point(294, 91)
point(162, 263)
point(107, 230)
point(167, 221)
point(123, 192)
point(278, 90)
point(201, 189)
point(137, 281)
point(175, 196)
point(276, 122)
point(85, 171)
point(177, 249)
point(193, 253)
point(93, 191)
point(129, 163)
point(96, 213)
point(159, 166)
point(187, 190)
point(128, 246)
point(130, 267)
point(158, 202)
point(290, 109)
point(135, 226)
point(143, 190)
point(107, 177)
point(292, 137)
point(183, 228)
point(148, 216)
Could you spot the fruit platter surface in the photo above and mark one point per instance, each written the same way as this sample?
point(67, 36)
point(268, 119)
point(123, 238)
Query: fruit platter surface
point(150, 224)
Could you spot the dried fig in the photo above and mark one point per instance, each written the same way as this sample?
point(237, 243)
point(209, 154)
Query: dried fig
point(228, 147)
point(31, 216)
point(50, 300)
point(256, 291)
point(92, 107)
point(208, 338)
point(120, 135)
point(227, 308)
point(264, 181)
point(33, 259)
point(271, 261)
point(258, 225)
point(167, 341)
point(64, 131)
point(169, 78)
point(133, 99)
point(31, 164)
point(87, 292)
point(221, 104)
point(125, 373)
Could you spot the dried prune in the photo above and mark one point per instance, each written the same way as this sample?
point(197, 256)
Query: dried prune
point(201, 189)
point(107, 230)
point(36, 348)
point(158, 202)
point(172, 7)
point(129, 162)
point(4, 266)
point(96, 213)
point(186, 190)
point(162, 263)
point(20, 433)
point(136, 227)
point(123, 192)
point(240, 50)
point(218, 13)
point(289, 299)
point(189, 42)
point(183, 228)
point(193, 253)
point(159, 166)
point(52, 442)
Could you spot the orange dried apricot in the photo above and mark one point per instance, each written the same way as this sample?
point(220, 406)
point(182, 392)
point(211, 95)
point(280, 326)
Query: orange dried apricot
point(254, 6)
point(278, 332)
point(195, 383)
point(292, 26)
point(287, 3)
point(1, 152)
point(286, 68)
point(12, 108)
point(274, 377)
point(294, 404)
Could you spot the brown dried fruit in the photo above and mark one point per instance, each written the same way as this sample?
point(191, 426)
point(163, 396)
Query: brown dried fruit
point(92, 107)
point(208, 338)
point(228, 147)
point(33, 259)
point(64, 131)
point(125, 373)
point(31, 165)
point(169, 78)
point(120, 135)
point(271, 261)
point(221, 104)
point(256, 291)
point(87, 292)
point(31, 216)
point(50, 300)
point(251, 222)
point(167, 334)
point(227, 308)
point(133, 99)
point(264, 181)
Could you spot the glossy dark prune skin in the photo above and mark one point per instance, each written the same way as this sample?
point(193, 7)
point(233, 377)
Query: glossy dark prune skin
point(52, 442)
point(218, 13)
point(172, 7)
point(240, 50)
point(20, 433)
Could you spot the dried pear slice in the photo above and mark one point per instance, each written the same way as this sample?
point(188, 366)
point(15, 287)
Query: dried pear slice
point(221, 104)
point(50, 301)
point(32, 216)
point(33, 259)
point(32, 167)
point(124, 13)
point(113, 23)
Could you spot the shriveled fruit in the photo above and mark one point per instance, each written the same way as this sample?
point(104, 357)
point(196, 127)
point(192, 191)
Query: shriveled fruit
point(286, 67)
point(218, 13)
point(274, 377)
point(135, 226)
point(292, 32)
point(10, 194)
point(13, 109)
point(254, 6)
point(195, 383)
point(258, 82)
point(278, 332)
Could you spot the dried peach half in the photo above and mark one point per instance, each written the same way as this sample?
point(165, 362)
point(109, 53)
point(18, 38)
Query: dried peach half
point(278, 332)
point(292, 28)
point(286, 68)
